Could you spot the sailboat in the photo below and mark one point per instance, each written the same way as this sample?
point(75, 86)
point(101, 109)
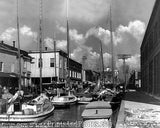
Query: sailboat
point(70, 99)
point(18, 112)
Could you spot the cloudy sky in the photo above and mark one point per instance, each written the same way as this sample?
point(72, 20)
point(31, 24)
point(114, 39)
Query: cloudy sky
point(88, 22)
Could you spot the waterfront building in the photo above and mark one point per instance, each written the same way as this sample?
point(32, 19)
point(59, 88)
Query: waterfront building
point(54, 67)
point(89, 75)
point(150, 54)
point(9, 66)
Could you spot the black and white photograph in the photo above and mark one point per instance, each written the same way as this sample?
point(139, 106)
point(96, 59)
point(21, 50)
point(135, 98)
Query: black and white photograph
point(79, 63)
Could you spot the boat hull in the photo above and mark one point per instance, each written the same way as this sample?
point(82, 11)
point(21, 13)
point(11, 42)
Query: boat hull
point(64, 101)
point(20, 118)
point(84, 100)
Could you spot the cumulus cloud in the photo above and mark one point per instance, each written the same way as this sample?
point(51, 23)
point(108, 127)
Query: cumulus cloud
point(135, 28)
point(92, 57)
point(73, 33)
point(134, 62)
point(100, 33)
point(8, 34)
point(27, 36)
point(127, 39)
point(60, 44)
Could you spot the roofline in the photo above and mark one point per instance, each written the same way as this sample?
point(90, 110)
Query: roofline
point(46, 51)
point(14, 50)
point(52, 51)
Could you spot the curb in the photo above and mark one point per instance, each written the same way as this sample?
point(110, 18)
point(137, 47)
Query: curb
point(121, 116)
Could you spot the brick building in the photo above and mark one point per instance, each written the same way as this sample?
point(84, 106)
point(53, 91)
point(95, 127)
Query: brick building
point(150, 53)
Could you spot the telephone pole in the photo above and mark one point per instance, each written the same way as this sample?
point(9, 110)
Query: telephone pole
point(124, 57)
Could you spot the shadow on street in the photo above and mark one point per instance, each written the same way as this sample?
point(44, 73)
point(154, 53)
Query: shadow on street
point(138, 96)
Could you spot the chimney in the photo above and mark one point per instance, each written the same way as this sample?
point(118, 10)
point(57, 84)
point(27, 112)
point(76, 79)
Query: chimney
point(46, 48)
point(14, 44)
point(2, 41)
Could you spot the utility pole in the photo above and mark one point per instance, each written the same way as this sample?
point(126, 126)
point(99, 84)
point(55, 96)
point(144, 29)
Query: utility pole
point(124, 57)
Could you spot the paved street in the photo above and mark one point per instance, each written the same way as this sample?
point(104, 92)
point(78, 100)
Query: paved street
point(139, 110)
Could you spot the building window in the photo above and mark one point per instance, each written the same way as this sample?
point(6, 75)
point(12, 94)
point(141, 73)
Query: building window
point(1, 66)
point(40, 64)
point(25, 64)
point(60, 65)
point(65, 64)
point(72, 73)
point(51, 62)
point(12, 68)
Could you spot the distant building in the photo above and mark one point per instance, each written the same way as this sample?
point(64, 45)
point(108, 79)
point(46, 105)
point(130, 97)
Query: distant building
point(89, 75)
point(48, 67)
point(9, 66)
point(150, 53)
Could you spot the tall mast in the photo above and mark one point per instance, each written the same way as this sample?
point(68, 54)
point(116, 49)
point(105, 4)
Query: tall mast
point(40, 45)
point(102, 74)
point(54, 41)
point(112, 45)
point(19, 53)
point(68, 44)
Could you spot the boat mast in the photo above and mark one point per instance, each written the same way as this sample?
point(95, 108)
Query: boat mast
point(40, 45)
point(112, 46)
point(68, 45)
point(102, 74)
point(54, 41)
point(19, 53)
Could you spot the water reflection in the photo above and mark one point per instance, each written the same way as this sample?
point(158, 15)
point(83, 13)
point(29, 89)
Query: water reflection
point(67, 114)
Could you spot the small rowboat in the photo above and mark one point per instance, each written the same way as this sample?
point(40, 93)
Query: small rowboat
point(64, 101)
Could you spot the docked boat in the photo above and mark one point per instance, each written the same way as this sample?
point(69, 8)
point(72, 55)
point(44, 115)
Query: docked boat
point(84, 100)
point(14, 109)
point(35, 111)
point(64, 101)
point(97, 114)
